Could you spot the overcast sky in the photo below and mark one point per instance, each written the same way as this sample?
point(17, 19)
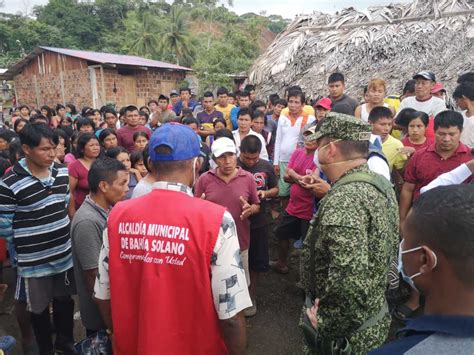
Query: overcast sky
point(285, 8)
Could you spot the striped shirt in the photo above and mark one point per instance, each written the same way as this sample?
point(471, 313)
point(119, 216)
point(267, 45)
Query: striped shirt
point(33, 216)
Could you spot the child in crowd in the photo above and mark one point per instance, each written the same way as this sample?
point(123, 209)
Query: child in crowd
point(140, 139)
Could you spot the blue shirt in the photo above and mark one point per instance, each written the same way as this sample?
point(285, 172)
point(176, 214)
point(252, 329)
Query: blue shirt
point(178, 107)
point(433, 335)
point(233, 116)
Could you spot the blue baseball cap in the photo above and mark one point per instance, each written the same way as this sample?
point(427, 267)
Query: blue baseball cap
point(182, 140)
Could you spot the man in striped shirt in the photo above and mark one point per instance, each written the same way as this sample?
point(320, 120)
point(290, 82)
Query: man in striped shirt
point(34, 220)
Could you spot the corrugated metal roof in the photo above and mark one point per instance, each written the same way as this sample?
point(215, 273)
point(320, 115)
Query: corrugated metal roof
point(109, 58)
point(96, 57)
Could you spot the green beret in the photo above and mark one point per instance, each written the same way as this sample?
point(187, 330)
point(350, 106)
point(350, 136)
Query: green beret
point(342, 126)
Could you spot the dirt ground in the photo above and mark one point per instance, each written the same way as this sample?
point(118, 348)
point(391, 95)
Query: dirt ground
point(274, 330)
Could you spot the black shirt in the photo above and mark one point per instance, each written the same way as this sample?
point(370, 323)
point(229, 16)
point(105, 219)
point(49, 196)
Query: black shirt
point(265, 179)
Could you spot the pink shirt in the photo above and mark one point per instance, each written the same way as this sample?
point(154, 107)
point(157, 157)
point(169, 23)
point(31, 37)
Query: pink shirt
point(80, 172)
point(301, 203)
point(125, 136)
point(228, 195)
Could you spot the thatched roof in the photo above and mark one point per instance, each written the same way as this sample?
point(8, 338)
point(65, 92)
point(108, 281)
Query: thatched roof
point(391, 42)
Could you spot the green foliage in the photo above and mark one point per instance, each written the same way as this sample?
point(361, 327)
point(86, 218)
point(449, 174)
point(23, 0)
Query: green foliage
point(221, 42)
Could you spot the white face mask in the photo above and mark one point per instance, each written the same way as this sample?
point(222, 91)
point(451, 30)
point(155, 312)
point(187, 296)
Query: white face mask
point(316, 159)
point(194, 171)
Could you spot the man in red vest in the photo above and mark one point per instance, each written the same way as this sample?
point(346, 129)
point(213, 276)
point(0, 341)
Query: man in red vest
point(170, 278)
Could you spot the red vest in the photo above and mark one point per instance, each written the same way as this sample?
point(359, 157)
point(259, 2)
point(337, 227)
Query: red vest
point(160, 275)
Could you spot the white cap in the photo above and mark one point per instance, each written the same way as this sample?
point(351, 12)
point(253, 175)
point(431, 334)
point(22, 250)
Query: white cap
point(223, 145)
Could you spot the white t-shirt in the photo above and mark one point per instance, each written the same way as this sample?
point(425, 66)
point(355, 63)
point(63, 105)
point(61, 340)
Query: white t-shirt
point(431, 107)
point(287, 137)
point(467, 134)
point(142, 188)
point(364, 114)
point(263, 151)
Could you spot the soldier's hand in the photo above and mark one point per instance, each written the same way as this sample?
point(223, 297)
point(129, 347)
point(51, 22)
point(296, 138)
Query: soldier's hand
point(319, 188)
point(312, 313)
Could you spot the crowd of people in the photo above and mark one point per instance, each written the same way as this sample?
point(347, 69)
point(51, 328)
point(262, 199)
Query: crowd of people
point(159, 219)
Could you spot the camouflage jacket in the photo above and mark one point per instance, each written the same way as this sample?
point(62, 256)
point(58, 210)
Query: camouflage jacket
point(356, 231)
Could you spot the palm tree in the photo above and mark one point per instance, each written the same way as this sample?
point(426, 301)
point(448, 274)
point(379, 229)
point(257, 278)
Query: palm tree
point(175, 38)
point(143, 35)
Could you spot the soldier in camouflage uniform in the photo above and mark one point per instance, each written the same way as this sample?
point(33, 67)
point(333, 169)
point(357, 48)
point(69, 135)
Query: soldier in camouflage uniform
point(349, 245)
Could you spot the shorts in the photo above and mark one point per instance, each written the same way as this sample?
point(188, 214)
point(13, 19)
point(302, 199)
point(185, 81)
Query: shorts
point(283, 186)
point(291, 227)
point(258, 250)
point(244, 255)
point(38, 292)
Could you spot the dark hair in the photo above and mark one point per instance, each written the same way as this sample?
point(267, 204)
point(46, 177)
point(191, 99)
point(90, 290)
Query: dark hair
point(135, 157)
point(354, 149)
point(152, 101)
point(259, 114)
point(18, 121)
point(140, 134)
point(49, 113)
point(67, 118)
point(379, 112)
point(219, 120)
point(141, 110)
point(296, 93)
point(208, 94)
point(448, 119)
point(82, 141)
point(92, 112)
point(466, 77)
point(104, 134)
point(224, 132)
point(130, 108)
point(466, 88)
point(164, 97)
point(23, 106)
point(334, 77)
point(59, 107)
point(6, 135)
point(190, 120)
point(244, 94)
point(114, 152)
point(245, 111)
point(249, 87)
point(409, 86)
point(251, 144)
point(144, 114)
point(111, 111)
point(146, 157)
point(39, 117)
point(282, 102)
point(185, 89)
point(273, 98)
point(84, 121)
point(443, 218)
point(103, 169)
point(256, 104)
point(72, 108)
point(407, 115)
point(232, 94)
point(222, 91)
point(14, 151)
point(67, 140)
point(32, 134)
point(4, 165)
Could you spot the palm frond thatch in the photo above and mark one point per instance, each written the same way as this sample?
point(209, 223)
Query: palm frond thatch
point(391, 42)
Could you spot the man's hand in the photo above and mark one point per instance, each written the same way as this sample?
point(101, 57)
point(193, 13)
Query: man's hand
point(312, 313)
point(246, 209)
point(277, 169)
point(407, 150)
point(261, 194)
point(318, 186)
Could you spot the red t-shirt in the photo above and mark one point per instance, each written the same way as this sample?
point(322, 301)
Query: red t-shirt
point(125, 136)
point(406, 142)
point(228, 195)
point(301, 202)
point(426, 165)
point(80, 172)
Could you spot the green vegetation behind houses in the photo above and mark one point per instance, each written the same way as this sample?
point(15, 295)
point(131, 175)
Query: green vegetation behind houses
point(204, 35)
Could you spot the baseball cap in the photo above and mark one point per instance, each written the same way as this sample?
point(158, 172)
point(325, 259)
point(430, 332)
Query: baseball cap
point(437, 88)
point(182, 141)
point(173, 93)
point(223, 145)
point(427, 75)
point(343, 127)
point(325, 102)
